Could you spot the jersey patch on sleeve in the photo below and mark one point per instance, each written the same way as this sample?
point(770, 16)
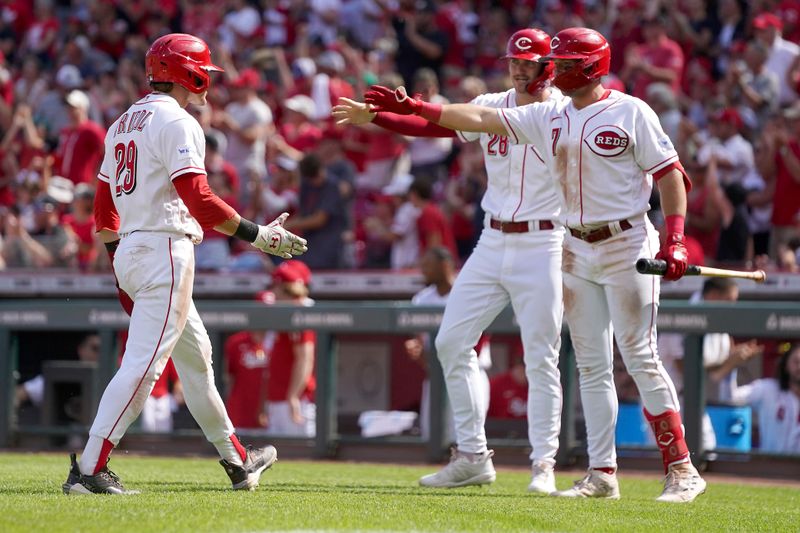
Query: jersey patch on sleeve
point(185, 151)
point(665, 144)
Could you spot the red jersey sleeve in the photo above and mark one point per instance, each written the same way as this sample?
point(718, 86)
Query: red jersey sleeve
point(105, 212)
point(203, 204)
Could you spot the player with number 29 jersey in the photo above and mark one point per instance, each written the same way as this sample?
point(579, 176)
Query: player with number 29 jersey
point(155, 138)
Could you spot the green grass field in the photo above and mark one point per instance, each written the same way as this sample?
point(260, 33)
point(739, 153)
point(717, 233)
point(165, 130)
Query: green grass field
point(193, 495)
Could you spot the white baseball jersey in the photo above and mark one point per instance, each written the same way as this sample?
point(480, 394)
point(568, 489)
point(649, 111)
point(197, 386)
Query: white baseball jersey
point(778, 413)
point(151, 144)
point(518, 188)
point(602, 156)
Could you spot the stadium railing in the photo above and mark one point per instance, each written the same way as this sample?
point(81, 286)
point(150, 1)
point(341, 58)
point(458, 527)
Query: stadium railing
point(779, 320)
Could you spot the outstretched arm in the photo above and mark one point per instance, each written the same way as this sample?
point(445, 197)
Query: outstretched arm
point(461, 117)
point(356, 113)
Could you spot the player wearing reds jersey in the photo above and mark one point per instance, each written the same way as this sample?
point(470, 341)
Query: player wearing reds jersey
point(153, 194)
point(604, 149)
point(517, 260)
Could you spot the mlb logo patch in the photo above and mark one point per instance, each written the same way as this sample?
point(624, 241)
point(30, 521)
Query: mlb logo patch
point(185, 150)
point(665, 144)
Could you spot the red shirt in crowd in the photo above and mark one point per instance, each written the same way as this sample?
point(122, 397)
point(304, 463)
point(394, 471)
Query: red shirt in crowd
point(304, 138)
point(281, 363)
point(87, 252)
point(786, 201)
point(432, 222)
point(507, 397)
point(246, 364)
point(80, 152)
point(666, 54)
point(170, 375)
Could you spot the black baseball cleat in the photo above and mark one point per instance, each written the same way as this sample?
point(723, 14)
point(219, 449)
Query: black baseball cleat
point(104, 482)
point(246, 477)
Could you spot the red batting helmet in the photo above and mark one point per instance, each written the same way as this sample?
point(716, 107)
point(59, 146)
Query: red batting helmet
point(180, 58)
point(531, 44)
point(580, 43)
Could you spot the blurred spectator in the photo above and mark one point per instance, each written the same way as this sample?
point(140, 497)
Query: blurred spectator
point(428, 155)
point(432, 226)
point(291, 383)
point(508, 391)
point(732, 29)
point(733, 153)
point(705, 209)
point(658, 59)
point(300, 133)
point(323, 18)
point(782, 54)
point(80, 144)
point(164, 399)
point(694, 26)
point(52, 110)
point(780, 165)
point(247, 121)
point(328, 85)
point(663, 100)
point(403, 233)
point(751, 88)
point(438, 271)
point(420, 42)
point(246, 371)
point(321, 218)
point(719, 349)
point(80, 220)
point(48, 245)
point(777, 404)
point(31, 86)
point(625, 33)
point(281, 193)
point(735, 241)
point(343, 173)
point(33, 390)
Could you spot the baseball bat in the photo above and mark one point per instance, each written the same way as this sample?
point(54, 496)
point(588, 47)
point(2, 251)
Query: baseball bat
point(658, 267)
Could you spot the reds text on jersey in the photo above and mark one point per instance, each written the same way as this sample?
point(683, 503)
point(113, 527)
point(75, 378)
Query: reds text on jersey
point(518, 187)
point(152, 143)
point(602, 156)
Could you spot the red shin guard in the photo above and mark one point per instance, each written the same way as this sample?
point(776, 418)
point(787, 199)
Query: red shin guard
point(239, 448)
point(668, 431)
point(102, 460)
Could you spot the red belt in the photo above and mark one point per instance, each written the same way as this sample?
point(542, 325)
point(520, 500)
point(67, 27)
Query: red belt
point(520, 227)
point(599, 234)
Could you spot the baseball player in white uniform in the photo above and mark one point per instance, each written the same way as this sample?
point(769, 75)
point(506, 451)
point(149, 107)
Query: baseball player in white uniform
point(604, 149)
point(153, 201)
point(517, 260)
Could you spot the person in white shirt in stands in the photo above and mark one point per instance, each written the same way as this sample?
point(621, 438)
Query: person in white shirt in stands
point(776, 402)
point(782, 53)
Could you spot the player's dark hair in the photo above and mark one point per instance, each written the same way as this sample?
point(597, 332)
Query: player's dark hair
point(422, 188)
point(782, 370)
point(310, 166)
point(718, 285)
point(162, 86)
point(212, 143)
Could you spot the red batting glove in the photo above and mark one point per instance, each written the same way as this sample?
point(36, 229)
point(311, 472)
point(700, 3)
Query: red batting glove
point(674, 249)
point(384, 99)
point(125, 301)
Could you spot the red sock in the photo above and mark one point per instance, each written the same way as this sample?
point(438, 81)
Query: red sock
point(102, 460)
point(608, 470)
point(239, 448)
point(668, 431)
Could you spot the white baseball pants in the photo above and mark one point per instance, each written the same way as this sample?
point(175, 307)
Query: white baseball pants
point(157, 270)
point(525, 270)
point(601, 288)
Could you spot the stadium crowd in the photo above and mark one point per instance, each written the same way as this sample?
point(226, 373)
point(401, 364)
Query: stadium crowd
point(723, 75)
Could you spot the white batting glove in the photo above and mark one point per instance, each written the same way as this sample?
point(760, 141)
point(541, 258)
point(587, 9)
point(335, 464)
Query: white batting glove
point(274, 239)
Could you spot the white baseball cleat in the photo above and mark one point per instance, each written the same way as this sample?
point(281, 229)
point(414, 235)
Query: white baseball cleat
point(543, 480)
point(682, 485)
point(595, 484)
point(462, 470)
